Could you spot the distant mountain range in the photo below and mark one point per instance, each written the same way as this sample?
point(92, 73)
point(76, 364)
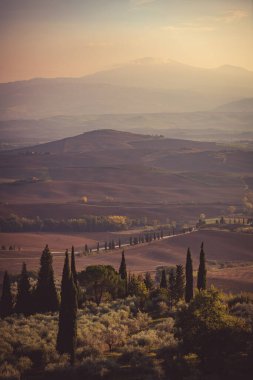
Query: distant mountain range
point(242, 105)
point(143, 86)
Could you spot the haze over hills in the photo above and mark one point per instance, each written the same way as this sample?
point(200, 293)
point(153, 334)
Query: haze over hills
point(139, 87)
point(153, 73)
point(200, 126)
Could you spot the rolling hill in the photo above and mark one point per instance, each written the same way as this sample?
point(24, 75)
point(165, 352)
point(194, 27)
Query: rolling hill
point(201, 126)
point(124, 174)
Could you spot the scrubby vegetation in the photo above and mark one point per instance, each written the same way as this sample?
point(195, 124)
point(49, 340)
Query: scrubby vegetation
point(208, 341)
point(127, 326)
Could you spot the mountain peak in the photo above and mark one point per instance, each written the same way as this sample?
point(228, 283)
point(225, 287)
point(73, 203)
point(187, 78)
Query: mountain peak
point(233, 69)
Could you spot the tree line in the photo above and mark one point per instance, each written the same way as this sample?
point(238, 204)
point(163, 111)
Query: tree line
point(87, 223)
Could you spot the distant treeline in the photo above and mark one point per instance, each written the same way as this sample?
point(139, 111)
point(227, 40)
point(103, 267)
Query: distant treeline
point(87, 223)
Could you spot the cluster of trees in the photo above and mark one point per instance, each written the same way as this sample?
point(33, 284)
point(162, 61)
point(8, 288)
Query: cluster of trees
point(103, 282)
point(221, 341)
point(10, 248)
point(44, 298)
point(38, 299)
point(206, 338)
point(98, 282)
point(88, 223)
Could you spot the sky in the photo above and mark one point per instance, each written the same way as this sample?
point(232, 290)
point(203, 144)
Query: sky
point(71, 38)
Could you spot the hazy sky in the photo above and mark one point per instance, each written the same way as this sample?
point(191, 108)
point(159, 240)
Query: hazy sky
point(49, 38)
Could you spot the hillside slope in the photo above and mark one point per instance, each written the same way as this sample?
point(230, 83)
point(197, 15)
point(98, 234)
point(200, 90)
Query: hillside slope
point(124, 174)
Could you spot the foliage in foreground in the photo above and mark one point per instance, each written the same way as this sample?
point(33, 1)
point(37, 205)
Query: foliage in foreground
point(115, 340)
point(28, 343)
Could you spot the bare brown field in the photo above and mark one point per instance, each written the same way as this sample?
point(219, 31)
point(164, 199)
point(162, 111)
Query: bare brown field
point(34, 242)
point(222, 247)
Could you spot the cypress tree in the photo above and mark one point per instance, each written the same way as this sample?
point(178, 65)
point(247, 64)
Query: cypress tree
point(163, 283)
point(74, 275)
point(172, 286)
point(122, 268)
point(66, 338)
point(73, 265)
point(6, 303)
point(148, 281)
point(23, 303)
point(201, 281)
point(46, 294)
point(119, 243)
point(180, 283)
point(189, 277)
point(98, 247)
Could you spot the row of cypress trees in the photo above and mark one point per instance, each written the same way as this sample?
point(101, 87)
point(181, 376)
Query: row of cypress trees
point(201, 276)
point(45, 298)
point(180, 283)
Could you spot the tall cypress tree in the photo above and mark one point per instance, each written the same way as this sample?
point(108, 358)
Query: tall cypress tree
point(122, 268)
point(74, 274)
point(46, 295)
point(6, 303)
point(180, 283)
point(23, 303)
point(201, 281)
point(189, 277)
point(66, 338)
point(73, 265)
point(172, 287)
point(163, 283)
